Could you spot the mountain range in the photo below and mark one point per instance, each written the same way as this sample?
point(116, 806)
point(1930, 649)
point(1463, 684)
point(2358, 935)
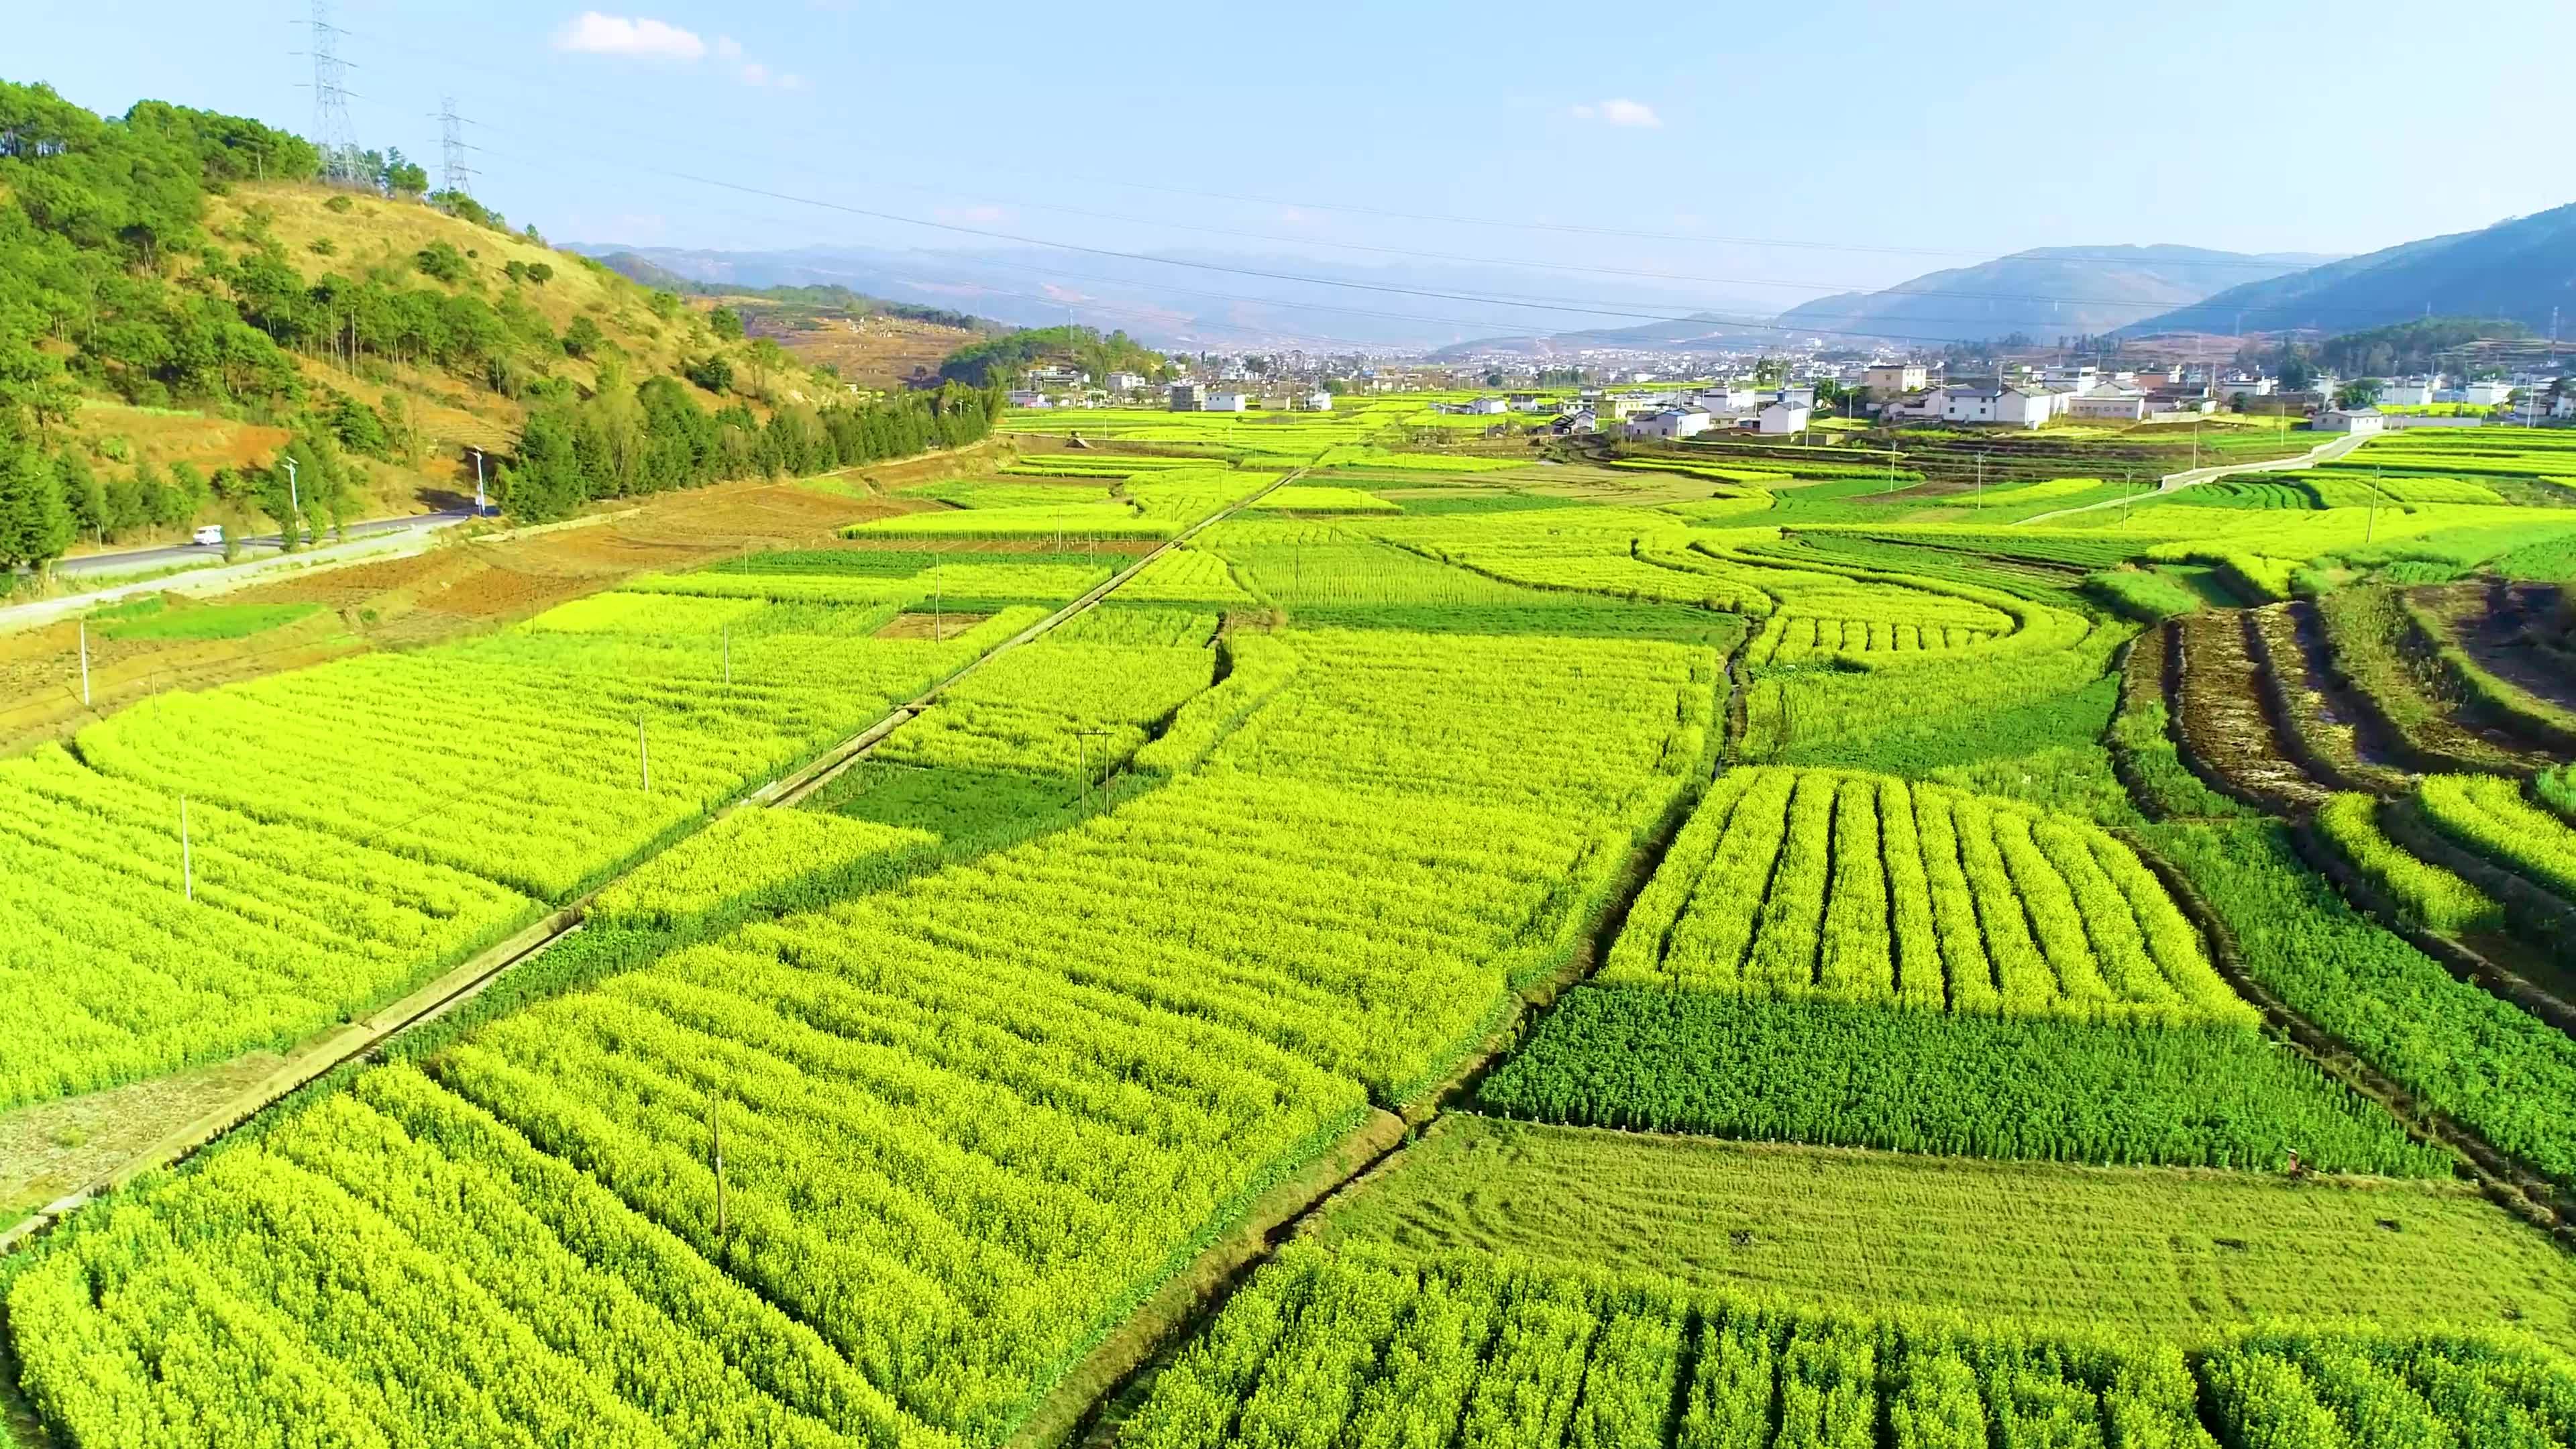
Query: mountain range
point(2045, 293)
point(2523, 269)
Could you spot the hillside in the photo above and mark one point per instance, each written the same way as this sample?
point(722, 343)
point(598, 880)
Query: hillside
point(193, 330)
point(866, 342)
point(2047, 292)
point(2523, 270)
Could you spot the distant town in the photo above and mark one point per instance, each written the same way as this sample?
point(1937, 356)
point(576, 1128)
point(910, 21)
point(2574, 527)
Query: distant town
point(1687, 395)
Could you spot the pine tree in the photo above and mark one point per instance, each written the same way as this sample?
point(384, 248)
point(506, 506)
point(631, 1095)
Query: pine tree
point(35, 525)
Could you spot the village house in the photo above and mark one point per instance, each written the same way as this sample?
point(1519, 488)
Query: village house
point(2114, 404)
point(1783, 416)
point(1185, 397)
point(1226, 402)
point(1485, 407)
point(1026, 398)
point(1579, 421)
point(1671, 423)
point(2349, 420)
point(1894, 379)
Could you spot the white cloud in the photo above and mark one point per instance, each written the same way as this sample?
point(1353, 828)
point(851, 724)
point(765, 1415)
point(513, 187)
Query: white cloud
point(1619, 113)
point(791, 82)
point(597, 34)
point(728, 48)
point(754, 73)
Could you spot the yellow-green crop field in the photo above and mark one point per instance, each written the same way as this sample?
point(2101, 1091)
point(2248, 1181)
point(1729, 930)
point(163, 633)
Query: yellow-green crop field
point(1855, 982)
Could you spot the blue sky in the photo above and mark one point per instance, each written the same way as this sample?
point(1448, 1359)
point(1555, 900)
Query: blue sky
point(1761, 152)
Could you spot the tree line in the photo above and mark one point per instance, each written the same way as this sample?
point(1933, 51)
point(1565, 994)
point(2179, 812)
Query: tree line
point(999, 360)
point(624, 441)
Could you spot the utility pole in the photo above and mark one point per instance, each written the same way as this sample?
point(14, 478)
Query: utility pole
point(479, 504)
point(938, 632)
point(715, 1148)
point(187, 864)
point(644, 757)
point(1103, 736)
point(1981, 482)
point(84, 651)
point(728, 655)
point(294, 505)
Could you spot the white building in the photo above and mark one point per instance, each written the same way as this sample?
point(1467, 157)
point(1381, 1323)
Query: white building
point(1488, 407)
point(2012, 406)
point(1186, 397)
point(1581, 420)
point(1027, 398)
point(2349, 420)
point(1894, 378)
point(1226, 402)
point(2247, 387)
point(1728, 397)
point(1673, 423)
point(2406, 392)
point(2117, 404)
point(1785, 416)
point(1126, 381)
point(1319, 401)
point(2485, 394)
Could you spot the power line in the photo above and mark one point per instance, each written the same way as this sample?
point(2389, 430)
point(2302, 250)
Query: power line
point(554, 83)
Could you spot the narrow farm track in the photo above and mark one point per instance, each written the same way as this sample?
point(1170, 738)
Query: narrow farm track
point(310, 1060)
point(2227, 731)
point(1091, 1402)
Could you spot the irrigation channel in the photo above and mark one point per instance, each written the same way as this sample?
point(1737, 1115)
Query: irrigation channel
point(311, 1059)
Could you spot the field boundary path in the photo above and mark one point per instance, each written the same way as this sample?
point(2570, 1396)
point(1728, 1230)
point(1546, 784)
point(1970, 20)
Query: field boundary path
point(2326, 452)
point(316, 1056)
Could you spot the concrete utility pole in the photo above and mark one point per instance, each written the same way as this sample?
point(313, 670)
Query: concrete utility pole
point(715, 1147)
point(728, 654)
point(295, 506)
point(938, 632)
point(1103, 736)
point(479, 504)
point(84, 651)
point(644, 756)
point(187, 865)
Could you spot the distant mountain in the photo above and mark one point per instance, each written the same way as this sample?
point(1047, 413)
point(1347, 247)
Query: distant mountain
point(2044, 293)
point(639, 269)
point(2519, 269)
point(1219, 301)
point(1699, 332)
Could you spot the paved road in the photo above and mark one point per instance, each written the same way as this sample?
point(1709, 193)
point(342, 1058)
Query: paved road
point(2325, 452)
point(147, 560)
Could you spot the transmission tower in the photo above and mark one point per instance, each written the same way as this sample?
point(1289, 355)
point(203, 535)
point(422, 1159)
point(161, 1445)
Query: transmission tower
point(332, 132)
point(454, 174)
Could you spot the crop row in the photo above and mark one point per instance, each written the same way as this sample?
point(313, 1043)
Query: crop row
point(967, 1122)
point(1863, 888)
point(2490, 1065)
point(1830, 1074)
point(1055, 707)
point(2488, 814)
point(2430, 895)
point(1371, 1351)
point(354, 828)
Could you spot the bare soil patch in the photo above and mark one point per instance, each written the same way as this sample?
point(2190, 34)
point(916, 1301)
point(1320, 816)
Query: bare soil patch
point(930, 626)
point(51, 1148)
point(2224, 725)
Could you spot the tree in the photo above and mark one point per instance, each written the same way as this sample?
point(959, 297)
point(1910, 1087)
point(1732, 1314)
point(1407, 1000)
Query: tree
point(35, 527)
point(583, 337)
point(543, 480)
point(727, 323)
point(152, 500)
point(81, 492)
point(35, 393)
point(188, 494)
point(712, 373)
point(2361, 392)
point(2298, 370)
point(1768, 371)
point(442, 262)
point(402, 176)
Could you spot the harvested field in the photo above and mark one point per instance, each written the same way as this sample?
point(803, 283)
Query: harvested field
point(2224, 724)
point(2336, 737)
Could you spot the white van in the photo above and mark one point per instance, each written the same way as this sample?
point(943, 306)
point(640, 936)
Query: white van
point(212, 534)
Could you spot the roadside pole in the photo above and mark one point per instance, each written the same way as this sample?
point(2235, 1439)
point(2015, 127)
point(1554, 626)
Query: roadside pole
point(644, 757)
point(84, 652)
point(187, 865)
